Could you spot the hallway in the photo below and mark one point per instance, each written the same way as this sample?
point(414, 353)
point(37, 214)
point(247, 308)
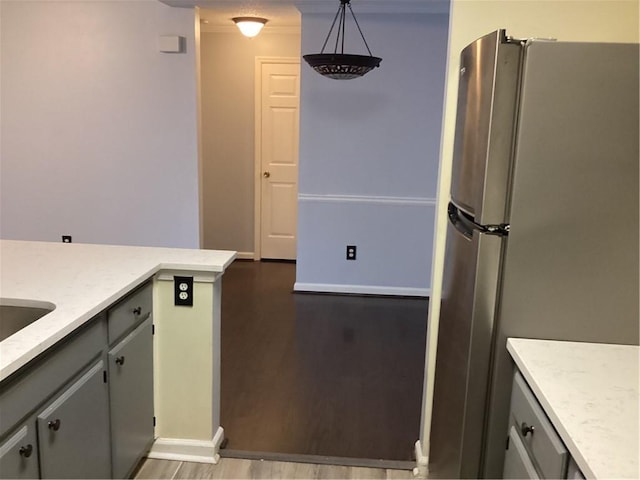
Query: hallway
point(315, 374)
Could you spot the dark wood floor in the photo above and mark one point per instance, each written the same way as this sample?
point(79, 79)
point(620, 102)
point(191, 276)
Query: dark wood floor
point(329, 375)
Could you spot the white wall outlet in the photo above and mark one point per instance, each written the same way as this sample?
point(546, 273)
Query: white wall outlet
point(183, 291)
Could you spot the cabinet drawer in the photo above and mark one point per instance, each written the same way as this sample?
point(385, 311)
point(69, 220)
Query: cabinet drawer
point(536, 432)
point(129, 312)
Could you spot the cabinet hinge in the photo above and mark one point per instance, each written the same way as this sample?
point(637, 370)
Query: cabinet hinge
point(104, 376)
point(154, 421)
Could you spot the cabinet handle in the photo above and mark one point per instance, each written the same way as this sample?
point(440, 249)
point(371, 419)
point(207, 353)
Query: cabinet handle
point(54, 425)
point(526, 429)
point(120, 360)
point(26, 451)
point(137, 310)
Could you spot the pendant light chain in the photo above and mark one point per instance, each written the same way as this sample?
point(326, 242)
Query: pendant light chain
point(359, 29)
point(340, 29)
point(343, 15)
point(330, 30)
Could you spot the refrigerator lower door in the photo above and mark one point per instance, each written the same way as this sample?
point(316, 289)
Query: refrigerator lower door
point(464, 352)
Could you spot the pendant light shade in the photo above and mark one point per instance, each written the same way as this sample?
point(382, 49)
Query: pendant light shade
point(340, 65)
point(249, 26)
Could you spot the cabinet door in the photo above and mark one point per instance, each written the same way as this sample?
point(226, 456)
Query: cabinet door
point(131, 397)
point(517, 463)
point(19, 454)
point(73, 431)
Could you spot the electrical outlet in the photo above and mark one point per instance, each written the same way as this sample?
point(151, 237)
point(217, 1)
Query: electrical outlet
point(183, 291)
point(351, 252)
point(66, 238)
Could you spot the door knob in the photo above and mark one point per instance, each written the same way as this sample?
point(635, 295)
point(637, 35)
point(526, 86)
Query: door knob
point(266, 174)
point(120, 360)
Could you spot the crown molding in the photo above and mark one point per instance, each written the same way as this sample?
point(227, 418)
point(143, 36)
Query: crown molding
point(330, 6)
point(376, 6)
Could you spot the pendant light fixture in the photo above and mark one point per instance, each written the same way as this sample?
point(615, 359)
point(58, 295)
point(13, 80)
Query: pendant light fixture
point(249, 26)
point(340, 65)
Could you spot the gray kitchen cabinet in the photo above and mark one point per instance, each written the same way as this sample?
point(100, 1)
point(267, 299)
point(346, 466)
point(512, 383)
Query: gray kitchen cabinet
point(517, 463)
point(131, 398)
point(73, 431)
point(129, 312)
point(19, 453)
point(534, 448)
point(84, 407)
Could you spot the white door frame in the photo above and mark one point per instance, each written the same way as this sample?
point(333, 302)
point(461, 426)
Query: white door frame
point(257, 170)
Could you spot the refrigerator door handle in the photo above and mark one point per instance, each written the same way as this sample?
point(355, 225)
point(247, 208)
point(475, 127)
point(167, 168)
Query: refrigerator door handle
point(501, 230)
point(465, 224)
point(460, 223)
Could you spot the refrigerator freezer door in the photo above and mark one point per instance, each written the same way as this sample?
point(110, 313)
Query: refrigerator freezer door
point(485, 120)
point(464, 349)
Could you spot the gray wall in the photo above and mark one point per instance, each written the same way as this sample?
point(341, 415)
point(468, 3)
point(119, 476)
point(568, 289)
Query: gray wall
point(98, 128)
point(228, 66)
point(369, 158)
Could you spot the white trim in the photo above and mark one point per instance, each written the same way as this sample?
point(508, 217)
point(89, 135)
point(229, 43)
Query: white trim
point(422, 462)
point(376, 199)
point(257, 174)
point(325, 6)
point(361, 289)
point(184, 450)
point(198, 66)
point(198, 277)
point(246, 256)
point(377, 6)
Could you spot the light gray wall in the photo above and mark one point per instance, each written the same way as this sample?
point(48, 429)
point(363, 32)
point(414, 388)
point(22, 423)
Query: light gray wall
point(369, 158)
point(228, 70)
point(98, 127)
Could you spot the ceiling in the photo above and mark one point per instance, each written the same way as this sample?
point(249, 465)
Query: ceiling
point(220, 15)
point(286, 13)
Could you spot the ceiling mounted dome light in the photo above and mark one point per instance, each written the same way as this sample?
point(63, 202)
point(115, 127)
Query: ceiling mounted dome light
point(250, 26)
point(342, 66)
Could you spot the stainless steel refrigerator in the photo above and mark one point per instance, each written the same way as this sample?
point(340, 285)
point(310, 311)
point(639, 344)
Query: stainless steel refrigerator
point(542, 240)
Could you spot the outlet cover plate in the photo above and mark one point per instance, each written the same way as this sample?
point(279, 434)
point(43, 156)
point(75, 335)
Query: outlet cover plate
point(351, 252)
point(183, 291)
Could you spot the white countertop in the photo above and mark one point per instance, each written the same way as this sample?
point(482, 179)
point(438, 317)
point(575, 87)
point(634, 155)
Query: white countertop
point(81, 280)
point(590, 393)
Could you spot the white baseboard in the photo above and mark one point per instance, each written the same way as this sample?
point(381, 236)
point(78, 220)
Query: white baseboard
point(361, 289)
point(422, 463)
point(184, 450)
point(245, 256)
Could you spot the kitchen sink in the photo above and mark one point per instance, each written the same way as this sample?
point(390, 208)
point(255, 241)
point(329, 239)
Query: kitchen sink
point(17, 314)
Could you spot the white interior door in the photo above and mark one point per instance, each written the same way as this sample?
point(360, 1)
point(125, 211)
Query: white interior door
point(277, 148)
